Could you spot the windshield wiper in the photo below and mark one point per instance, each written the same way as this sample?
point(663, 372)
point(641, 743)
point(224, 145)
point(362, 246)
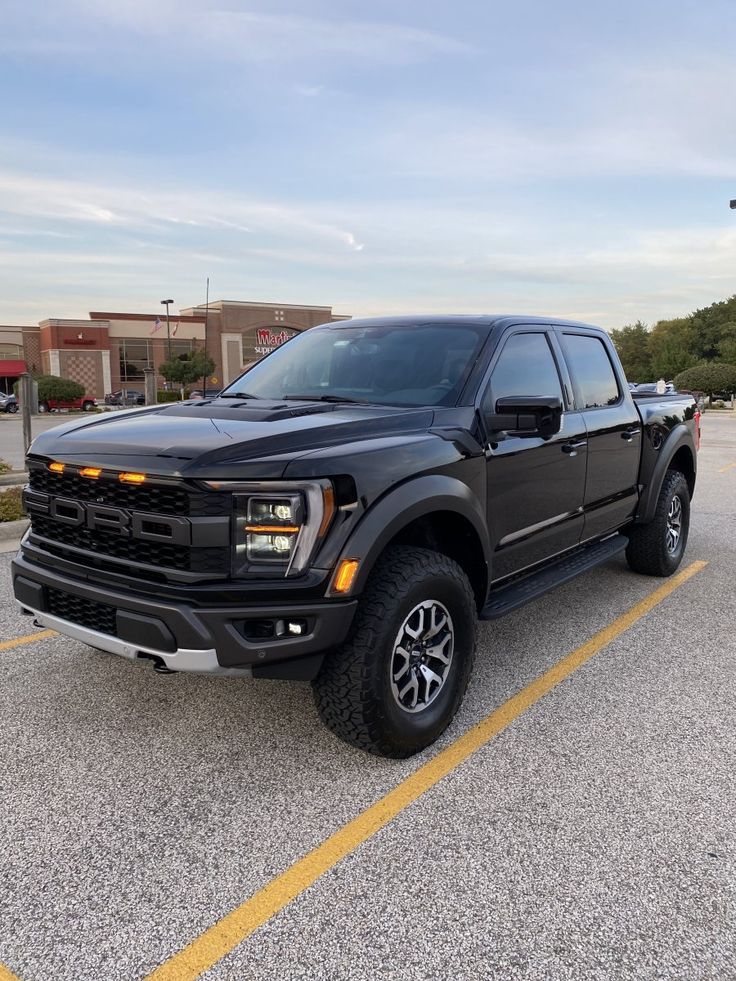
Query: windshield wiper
point(238, 395)
point(324, 398)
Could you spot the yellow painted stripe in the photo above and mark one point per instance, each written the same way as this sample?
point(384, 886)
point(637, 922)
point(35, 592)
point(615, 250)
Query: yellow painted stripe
point(6, 645)
point(6, 975)
point(231, 930)
point(728, 466)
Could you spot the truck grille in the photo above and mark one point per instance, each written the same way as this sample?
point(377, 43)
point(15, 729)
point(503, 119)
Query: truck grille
point(156, 498)
point(86, 613)
point(109, 544)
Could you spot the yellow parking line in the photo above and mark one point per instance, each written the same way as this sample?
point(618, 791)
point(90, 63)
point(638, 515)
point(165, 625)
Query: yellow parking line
point(729, 466)
point(236, 926)
point(6, 975)
point(5, 645)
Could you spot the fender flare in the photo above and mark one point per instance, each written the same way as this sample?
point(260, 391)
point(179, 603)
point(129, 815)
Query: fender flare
point(398, 508)
point(680, 436)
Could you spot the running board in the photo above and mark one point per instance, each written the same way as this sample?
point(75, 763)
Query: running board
point(522, 591)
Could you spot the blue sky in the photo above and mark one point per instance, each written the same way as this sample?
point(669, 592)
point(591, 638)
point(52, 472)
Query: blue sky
point(570, 158)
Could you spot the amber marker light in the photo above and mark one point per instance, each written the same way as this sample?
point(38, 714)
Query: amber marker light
point(132, 478)
point(345, 575)
point(272, 529)
point(91, 472)
point(56, 467)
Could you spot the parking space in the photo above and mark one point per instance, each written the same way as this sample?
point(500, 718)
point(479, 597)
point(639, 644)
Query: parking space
point(592, 837)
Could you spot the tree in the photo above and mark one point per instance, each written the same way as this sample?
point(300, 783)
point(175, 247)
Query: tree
point(672, 347)
point(708, 377)
point(727, 343)
point(632, 344)
point(187, 369)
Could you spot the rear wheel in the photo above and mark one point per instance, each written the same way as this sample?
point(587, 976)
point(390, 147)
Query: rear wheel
point(12, 407)
point(399, 679)
point(43, 407)
point(88, 406)
point(656, 549)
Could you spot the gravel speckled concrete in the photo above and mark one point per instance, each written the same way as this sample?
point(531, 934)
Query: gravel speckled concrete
point(595, 838)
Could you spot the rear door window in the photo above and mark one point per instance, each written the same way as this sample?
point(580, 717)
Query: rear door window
point(593, 376)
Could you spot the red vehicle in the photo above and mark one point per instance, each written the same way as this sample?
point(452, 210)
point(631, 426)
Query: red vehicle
point(85, 402)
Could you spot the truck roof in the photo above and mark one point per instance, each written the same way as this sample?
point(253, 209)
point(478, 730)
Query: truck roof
point(459, 319)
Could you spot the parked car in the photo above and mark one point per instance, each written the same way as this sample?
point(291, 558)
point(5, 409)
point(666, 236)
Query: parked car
point(126, 396)
point(347, 510)
point(8, 403)
point(204, 393)
point(86, 403)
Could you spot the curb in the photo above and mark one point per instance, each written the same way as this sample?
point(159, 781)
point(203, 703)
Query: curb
point(13, 530)
point(13, 478)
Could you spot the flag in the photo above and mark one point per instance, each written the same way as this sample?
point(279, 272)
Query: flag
point(157, 325)
point(176, 327)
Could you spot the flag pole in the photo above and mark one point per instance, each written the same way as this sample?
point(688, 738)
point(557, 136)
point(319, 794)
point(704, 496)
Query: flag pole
point(206, 317)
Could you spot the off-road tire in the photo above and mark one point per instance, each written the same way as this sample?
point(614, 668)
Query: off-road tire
point(353, 691)
point(647, 550)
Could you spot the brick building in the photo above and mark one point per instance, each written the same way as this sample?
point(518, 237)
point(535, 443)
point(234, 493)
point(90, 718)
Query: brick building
point(110, 350)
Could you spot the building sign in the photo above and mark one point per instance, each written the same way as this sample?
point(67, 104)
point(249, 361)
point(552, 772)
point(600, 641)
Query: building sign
point(79, 340)
point(268, 340)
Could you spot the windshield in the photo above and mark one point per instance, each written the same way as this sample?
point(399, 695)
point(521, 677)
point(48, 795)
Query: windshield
point(393, 365)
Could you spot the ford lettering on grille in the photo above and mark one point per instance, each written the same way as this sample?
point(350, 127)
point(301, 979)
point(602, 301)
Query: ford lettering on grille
point(118, 521)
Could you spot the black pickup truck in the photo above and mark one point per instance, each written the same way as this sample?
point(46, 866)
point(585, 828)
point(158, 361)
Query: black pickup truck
point(346, 510)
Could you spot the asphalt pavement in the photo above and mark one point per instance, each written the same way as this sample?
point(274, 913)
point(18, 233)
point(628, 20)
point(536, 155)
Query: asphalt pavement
point(592, 838)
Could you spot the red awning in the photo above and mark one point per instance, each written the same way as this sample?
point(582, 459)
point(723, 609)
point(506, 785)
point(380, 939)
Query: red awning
point(10, 368)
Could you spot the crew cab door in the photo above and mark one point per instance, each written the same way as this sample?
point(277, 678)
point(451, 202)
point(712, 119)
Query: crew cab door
point(614, 432)
point(535, 485)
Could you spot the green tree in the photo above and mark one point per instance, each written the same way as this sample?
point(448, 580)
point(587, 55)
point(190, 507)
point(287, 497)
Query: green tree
point(672, 347)
point(727, 343)
point(187, 369)
point(632, 344)
point(708, 377)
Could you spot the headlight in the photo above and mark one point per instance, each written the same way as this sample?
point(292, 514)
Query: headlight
point(272, 528)
point(279, 530)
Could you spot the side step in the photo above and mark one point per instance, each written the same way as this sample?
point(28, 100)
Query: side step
point(522, 591)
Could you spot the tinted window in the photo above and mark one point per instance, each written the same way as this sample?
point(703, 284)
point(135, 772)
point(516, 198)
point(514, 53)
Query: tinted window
point(426, 364)
point(525, 367)
point(592, 370)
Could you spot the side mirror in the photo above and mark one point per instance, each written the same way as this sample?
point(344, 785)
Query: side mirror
point(527, 415)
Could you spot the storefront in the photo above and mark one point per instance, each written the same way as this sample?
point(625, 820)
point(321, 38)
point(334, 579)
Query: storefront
point(110, 350)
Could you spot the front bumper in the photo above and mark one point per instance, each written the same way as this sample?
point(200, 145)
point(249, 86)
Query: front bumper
point(211, 640)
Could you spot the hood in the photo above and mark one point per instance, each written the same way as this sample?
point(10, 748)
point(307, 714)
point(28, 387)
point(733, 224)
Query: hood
point(207, 438)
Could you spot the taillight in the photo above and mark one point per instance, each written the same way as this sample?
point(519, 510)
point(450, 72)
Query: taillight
point(697, 429)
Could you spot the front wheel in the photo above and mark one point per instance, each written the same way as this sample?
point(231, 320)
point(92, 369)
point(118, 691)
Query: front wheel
point(399, 679)
point(657, 549)
point(13, 407)
point(43, 407)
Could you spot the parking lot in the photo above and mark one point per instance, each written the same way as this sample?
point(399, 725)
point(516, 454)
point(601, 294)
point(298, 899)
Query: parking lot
point(586, 830)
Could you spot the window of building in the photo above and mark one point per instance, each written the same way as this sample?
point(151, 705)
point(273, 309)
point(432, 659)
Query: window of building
point(592, 370)
point(179, 348)
point(135, 355)
point(11, 352)
point(525, 367)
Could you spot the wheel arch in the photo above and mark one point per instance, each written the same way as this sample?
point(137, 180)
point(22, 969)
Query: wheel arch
point(435, 511)
point(676, 453)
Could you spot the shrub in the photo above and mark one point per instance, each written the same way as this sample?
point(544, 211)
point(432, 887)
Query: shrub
point(708, 377)
point(163, 396)
point(5, 467)
point(11, 504)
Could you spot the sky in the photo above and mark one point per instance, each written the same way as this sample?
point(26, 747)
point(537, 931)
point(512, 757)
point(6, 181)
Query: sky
point(571, 158)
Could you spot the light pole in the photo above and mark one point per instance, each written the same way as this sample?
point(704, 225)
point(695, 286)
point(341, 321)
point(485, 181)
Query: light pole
point(165, 303)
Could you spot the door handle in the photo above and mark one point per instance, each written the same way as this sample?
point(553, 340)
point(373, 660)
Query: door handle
point(628, 434)
point(572, 448)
